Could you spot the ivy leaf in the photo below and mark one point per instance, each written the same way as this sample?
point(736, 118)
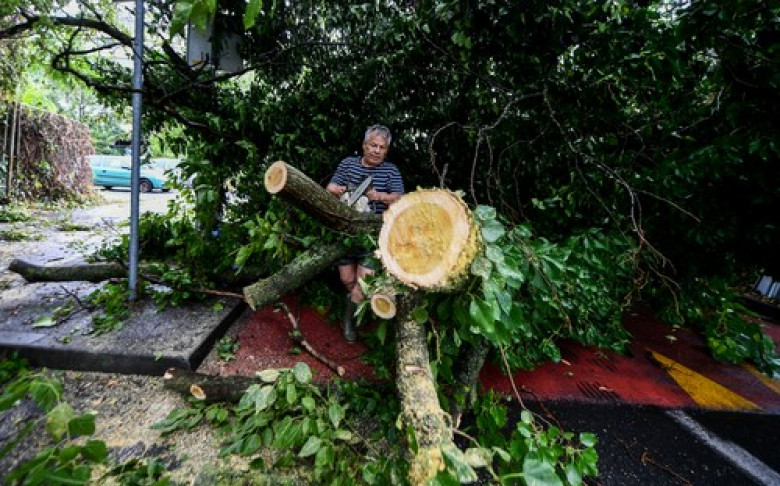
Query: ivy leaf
point(311, 447)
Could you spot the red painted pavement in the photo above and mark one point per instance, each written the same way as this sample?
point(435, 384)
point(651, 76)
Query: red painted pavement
point(584, 374)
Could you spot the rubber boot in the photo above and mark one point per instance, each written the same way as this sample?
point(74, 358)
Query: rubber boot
point(348, 323)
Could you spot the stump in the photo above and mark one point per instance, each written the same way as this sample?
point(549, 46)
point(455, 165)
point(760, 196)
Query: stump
point(428, 240)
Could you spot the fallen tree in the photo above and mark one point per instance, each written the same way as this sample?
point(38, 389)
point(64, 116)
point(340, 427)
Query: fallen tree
point(434, 250)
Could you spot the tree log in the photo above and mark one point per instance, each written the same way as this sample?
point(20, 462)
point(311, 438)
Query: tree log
point(209, 388)
point(303, 268)
point(383, 304)
point(469, 364)
point(296, 187)
point(420, 408)
point(428, 240)
point(94, 272)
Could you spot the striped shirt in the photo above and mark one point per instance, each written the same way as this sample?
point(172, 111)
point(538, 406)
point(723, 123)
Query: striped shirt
point(385, 178)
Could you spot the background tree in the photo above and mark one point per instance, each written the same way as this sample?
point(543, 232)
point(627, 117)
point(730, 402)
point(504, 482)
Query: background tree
point(626, 148)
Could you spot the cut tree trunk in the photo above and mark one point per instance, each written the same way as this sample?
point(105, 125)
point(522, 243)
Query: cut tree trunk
point(420, 408)
point(428, 240)
point(296, 187)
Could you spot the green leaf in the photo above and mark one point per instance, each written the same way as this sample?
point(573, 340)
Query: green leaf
point(484, 213)
point(477, 456)
point(58, 418)
point(45, 321)
point(335, 414)
point(251, 13)
point(243, 255)
point(259, 397)
point(325, 456)
point(308, 403)
point(481, 314)
point(481, 267)
point(45, 392)
point(311, 447)
point(527, 417)
point(302, 373)
point(95, 451)
point(420, 315)
point(539, 473)
point(492, 231)
point(381, 332)
point(588, 439)
point(494, 253)
point(292, 394)
point(463, 471)
point(82, 425)
point(573, 476)
point(268, 376)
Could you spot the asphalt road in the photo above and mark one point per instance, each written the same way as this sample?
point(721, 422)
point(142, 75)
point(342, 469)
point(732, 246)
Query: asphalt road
point(640, 445)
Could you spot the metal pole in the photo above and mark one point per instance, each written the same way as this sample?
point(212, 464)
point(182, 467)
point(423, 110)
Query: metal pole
point(135, 146)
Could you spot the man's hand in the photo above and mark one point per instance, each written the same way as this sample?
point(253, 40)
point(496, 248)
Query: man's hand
point(336, 190)
point(374, 195)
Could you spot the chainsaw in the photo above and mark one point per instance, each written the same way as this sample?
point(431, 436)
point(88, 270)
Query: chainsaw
point(355, 197)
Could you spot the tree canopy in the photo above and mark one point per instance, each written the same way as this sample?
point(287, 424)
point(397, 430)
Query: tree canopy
point(630, 146)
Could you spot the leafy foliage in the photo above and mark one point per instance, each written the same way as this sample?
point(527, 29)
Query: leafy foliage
point(72, 456)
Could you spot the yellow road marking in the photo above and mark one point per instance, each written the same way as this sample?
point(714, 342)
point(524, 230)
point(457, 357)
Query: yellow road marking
point(705, 392)
point(773, 384)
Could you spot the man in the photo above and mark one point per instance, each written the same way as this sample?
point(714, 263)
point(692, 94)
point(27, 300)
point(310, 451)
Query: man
point(386, 188)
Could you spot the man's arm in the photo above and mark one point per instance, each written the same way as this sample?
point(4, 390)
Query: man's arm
point(384, 197)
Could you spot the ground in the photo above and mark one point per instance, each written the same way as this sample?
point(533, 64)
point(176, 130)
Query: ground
point(126, 405)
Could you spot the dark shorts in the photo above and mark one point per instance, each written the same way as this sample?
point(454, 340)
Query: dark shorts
point(364, 259)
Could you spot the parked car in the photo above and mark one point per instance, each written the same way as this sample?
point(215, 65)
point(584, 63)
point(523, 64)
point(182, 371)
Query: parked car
point(171, 169)
point(114, 171)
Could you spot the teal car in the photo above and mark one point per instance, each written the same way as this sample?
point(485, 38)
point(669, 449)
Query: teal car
point(112, 171)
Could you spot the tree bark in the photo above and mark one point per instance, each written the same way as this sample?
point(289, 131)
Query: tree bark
point(209, 388)
point(303, 268)
point(93, 272)
point(296, 187)
point(470, 362)
point(420, 408)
